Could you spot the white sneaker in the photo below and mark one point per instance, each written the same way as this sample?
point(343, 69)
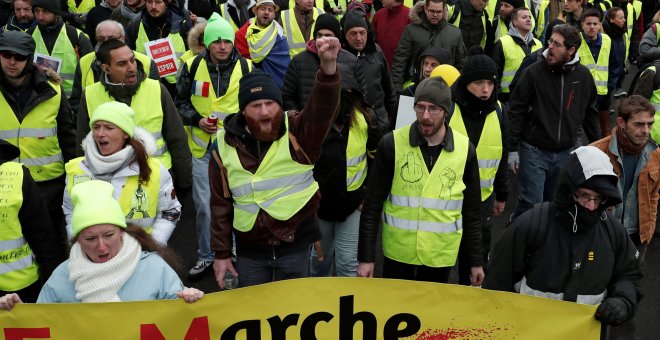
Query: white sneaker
point(200, 267)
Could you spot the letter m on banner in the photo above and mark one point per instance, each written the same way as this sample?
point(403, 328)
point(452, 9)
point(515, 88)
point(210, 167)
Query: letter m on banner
point(198, 330)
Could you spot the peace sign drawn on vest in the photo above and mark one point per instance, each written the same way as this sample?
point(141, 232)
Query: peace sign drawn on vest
point(447, 178)
point(411, 171)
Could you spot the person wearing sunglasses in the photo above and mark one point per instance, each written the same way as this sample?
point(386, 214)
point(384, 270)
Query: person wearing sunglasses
point(36, 117)
point(572, 248)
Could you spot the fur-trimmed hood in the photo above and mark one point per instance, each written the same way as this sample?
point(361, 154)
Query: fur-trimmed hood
point(50, 74)
point(417, 15)
point(196, 36)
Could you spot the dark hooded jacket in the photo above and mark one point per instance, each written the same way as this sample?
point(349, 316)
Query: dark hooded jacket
point(439, 53)
point(175, 20)
point(36, 226)
point(562, 251)
point(419, 35)
point(301, 74)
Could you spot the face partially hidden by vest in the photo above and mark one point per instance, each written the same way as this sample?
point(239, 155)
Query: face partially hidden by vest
point(264, 119)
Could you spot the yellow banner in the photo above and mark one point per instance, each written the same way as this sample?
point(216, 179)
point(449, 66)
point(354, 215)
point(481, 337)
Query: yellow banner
point(323, 308)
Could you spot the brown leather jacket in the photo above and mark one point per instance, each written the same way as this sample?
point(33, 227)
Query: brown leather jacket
point(648, 187)
point(276, 238)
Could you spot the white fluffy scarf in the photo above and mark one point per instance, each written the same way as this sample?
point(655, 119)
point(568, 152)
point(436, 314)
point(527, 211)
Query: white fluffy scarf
point(100, 282)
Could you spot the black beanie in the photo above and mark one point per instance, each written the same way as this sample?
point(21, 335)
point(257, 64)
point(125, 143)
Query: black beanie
point(257, 85)
point(478, 66)
point(515, 3)
point(354, 19)
point(49, 5)
point(434, 90)
point(329, 22)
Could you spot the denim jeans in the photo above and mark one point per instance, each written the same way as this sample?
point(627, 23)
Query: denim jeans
point(201, 195)
point(339, 241)
point(538, 175)
point(397, 270)
point(254, 271)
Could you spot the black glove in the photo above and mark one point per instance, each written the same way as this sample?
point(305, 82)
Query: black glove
point(613, 311)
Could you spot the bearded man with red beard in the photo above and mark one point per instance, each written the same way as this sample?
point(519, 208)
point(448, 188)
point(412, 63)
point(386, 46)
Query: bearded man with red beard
point(260, 174)
point(425, 182)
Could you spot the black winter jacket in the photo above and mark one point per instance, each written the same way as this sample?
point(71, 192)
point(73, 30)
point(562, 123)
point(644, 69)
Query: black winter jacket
point(548, 251)
point(177, 21)
point(549, 104)
point(379, 186)
point(301, 74)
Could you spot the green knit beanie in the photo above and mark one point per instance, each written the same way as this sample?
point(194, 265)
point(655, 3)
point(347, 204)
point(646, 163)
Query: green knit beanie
point(116, 113)
point(217, 28)
point(93, 204)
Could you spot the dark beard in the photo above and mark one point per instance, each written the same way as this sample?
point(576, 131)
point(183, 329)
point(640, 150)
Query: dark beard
point(260, 134)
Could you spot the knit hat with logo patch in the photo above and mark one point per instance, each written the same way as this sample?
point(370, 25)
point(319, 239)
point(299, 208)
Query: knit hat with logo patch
point(94, 204)
point(217, 28)
point(257, 85)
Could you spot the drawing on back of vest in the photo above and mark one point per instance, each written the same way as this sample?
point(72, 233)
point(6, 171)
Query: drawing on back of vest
point(139, 203)
point(447, 178)
point(411, 170)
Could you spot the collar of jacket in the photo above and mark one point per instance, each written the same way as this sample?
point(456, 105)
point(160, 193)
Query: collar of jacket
point(416, 139)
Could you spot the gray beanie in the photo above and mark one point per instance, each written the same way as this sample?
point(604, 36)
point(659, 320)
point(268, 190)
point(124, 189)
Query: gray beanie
point(434, 90)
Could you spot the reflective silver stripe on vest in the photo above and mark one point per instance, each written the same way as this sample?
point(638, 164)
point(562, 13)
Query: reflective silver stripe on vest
point(178, 54)
point(157, 135)
point(42, 160)
point(144, 222)
point(591, 299)
point(28, 132)
point(161, 151)
point(253, 207)
point(356, 160)
point(306, 178)
point(488, 163)
point(221, 115)
point(263, 41)
point(355, 178)
point(67, 76)
point(289, 32)
point(198, 141)
point(425, 202)
point(509, 73)
point(657, 107)
point(433, 227)
point(19, 264)
point(486, 183)
point(601, 82)
point(12, 244)
point(505, 84)
point(597, 67)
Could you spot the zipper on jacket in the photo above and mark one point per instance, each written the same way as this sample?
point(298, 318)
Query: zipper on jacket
point(561, 109)
point(274, 257)
point(217, 87)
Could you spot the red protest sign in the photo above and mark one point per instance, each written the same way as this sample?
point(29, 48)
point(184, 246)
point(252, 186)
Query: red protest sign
point(160, 50)
point(166, 67)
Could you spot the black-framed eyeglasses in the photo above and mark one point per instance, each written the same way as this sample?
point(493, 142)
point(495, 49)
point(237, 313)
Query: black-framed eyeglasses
point(432, 109)
point(586, 198)
point(16, 56)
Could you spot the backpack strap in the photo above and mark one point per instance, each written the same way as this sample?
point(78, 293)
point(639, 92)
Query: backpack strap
point(74, 38)
point(223, 174)
point(195, 65)
point(539, 223)
point(244, 66)
point(454, 16)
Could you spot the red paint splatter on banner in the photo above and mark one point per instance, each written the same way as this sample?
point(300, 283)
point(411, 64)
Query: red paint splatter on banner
point(460, 333)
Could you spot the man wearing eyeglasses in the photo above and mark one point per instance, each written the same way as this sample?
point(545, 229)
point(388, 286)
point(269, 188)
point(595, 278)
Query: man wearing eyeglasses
point(552, 99)
point(572, 248)
point(425, 182)
point(35, 116)
point(428, 28)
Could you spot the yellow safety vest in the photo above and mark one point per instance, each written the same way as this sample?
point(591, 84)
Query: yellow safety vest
point(225, 14)
point(356, 152)
point(600, 69)
point(489, 149)
point(294, 37)
point(490, 9)
point(513, 57)
point(84, 7)
point(457, 22)
point(35, 136)
point(423, 221)
point(408, 3)
point(280, 186)
point(87, 73)
point(260, 41)
point(317, 4)
point(147, 115)
point(655, 100)
point(538, 19)
point(501, 30)
point(198, 139)
point(138, 201)
point(64, 50)
point(177, 41)
point(17, 267)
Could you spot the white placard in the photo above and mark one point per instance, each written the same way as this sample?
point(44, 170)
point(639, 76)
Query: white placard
point(44, 60)
point(405, 114)
point(162, 52)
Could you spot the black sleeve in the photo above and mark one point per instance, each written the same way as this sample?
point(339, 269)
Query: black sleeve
point(591, 122)
point(379, 183)
point(627, 274)
point(38, 230)
point(507, 262)
point(519, 104)
point(498, 58)
point(66, 134)
point(644, 86)
point(529, 60)
point(85, 46)
point(82, 128)
point(472, 210)
point(177, 141)
point(290, 88)
point(76, 92)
